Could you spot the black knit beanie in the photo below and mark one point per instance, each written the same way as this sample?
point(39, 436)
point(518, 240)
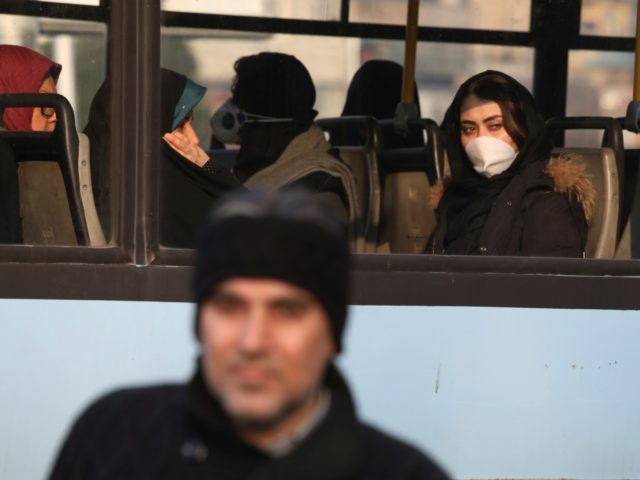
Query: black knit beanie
point(289, 236)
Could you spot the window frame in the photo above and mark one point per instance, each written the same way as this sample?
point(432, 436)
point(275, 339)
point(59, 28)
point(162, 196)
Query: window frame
point(137, 267)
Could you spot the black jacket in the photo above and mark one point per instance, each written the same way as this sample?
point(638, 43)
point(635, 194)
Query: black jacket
point(180, 432)
point(542, 211)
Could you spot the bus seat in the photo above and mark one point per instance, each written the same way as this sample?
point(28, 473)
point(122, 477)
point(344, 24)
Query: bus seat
point(94, 228)
point(48, 176)
point(612, 139)
point(363, 162)
point(601, 165)
point(407, 218)
point(44, 207)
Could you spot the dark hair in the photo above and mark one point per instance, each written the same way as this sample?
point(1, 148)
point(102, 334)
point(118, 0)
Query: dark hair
point(496, 88)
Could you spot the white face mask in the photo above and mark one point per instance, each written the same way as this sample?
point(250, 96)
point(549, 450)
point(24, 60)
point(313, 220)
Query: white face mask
point(489, 155)
point(228, 119)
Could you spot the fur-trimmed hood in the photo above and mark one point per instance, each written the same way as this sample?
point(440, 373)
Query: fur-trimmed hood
point(569, 175)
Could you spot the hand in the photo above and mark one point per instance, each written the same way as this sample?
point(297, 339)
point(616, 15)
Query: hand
point(185, 147)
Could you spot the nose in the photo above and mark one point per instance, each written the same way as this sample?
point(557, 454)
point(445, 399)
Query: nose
point(254, 336)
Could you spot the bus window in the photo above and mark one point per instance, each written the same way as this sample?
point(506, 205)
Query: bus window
point(616, 18)
point(446, 13)
point(56, 196)
point(600, 83)
point(308, 10)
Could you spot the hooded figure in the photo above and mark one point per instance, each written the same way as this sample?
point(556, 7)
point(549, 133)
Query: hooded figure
point(23, 70)
point(375, 91)
point(506, 197)
point(280, 145)
point(186, 190)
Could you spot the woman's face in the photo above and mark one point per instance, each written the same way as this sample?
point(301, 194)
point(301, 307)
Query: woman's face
point(44, 118)
point(479, 117)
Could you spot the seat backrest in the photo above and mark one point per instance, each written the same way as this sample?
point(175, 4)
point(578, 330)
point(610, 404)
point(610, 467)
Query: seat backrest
point(364, 164)
point(407, 218)
point(50, 192)
point(601, 166)
point(44, 207)
point(364, 168)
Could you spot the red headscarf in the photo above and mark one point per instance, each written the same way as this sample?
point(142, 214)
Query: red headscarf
point(22, 71)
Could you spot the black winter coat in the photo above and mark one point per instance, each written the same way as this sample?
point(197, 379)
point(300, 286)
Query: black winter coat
point(541, 212)
point(180, 432)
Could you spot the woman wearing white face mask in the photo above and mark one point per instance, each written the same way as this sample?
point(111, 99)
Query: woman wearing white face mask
point(505, 196)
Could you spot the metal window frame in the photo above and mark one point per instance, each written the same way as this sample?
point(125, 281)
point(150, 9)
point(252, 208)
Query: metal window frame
point(138, 268)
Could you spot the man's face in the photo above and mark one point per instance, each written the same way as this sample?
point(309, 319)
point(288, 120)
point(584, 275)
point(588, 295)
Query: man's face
point(266, 345)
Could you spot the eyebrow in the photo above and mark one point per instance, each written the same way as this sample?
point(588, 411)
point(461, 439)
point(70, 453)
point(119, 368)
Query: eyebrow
point(485, 120)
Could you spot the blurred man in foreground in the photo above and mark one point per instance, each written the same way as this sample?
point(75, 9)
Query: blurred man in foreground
point(266, 400)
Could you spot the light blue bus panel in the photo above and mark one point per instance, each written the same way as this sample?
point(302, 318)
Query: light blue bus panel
point(489, 393)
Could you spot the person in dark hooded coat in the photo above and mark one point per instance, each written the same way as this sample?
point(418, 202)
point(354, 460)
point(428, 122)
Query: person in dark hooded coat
point(506, 196)
point(186, 190)
point(280, 145)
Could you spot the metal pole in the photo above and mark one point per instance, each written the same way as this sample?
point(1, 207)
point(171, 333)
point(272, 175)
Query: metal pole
point(410, 43)
point(636, 71)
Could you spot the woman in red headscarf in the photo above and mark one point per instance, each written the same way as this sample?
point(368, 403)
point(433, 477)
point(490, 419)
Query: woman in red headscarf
point(24, 71)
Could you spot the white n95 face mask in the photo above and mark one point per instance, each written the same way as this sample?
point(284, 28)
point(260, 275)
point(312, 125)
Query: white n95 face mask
point(489, 155)
point(227, 121)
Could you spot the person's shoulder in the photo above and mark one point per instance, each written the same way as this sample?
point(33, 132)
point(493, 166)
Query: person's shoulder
point(389, 457)
point(139, 403)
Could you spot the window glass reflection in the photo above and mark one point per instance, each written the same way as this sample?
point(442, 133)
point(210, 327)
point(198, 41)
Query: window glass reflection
point(616, 18)
point(477, 14)
point(308, 10)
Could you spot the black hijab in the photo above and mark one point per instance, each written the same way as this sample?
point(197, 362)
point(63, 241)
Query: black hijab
point(375, 91)
point(98, 129)
point(186, 190)
point(469, 196)
point(274, 85)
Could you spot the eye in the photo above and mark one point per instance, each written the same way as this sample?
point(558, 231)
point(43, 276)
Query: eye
point(467, 129)
point(494, 127)
point(226, 305)
point(290, 310)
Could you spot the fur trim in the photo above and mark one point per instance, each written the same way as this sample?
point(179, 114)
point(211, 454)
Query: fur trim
point(435, 195)
point(570, 176)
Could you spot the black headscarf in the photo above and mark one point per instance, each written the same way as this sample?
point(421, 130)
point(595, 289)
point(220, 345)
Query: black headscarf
point(98, 130)
point(186, 190)
point(469, 196)
point(274, 85)
point(375, 91)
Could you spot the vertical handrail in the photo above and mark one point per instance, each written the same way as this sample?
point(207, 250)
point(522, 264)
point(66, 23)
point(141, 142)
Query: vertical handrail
point(135, 134)
point(636, 71)
point(410, 45)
